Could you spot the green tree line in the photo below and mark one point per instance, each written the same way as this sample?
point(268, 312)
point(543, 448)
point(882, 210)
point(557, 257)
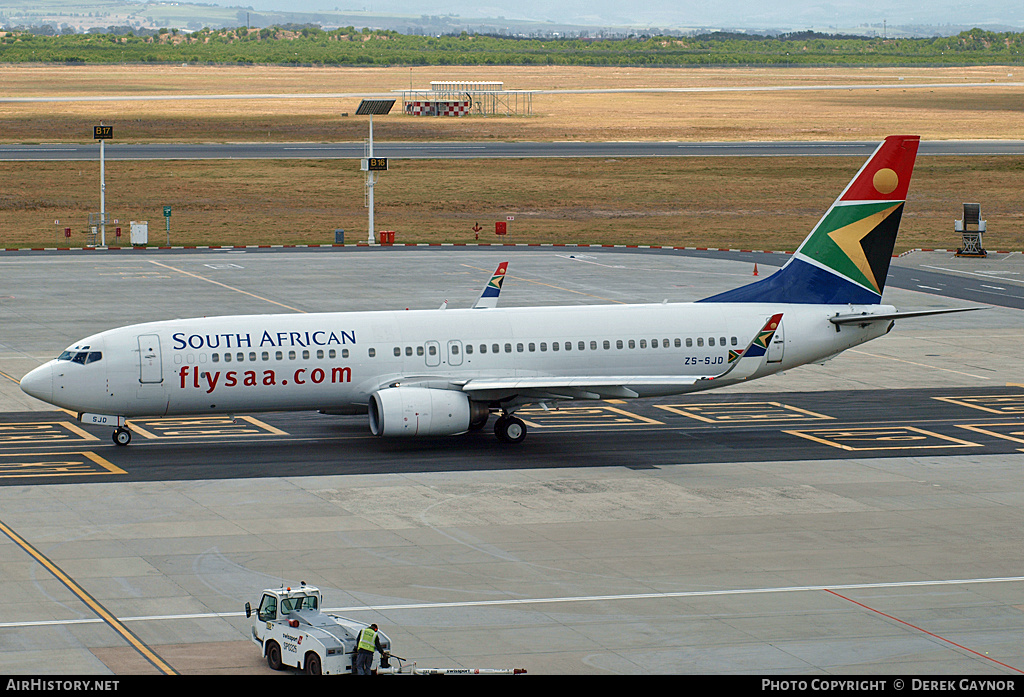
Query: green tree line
point(351, 46)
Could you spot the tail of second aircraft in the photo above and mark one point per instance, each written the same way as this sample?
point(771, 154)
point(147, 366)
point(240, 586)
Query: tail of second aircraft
point(846, 257)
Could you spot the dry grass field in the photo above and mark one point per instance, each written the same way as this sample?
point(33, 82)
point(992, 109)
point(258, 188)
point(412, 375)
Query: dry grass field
point(759, 203)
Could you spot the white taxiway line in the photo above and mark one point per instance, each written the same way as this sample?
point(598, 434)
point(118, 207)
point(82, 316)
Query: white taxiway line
point(545, 601)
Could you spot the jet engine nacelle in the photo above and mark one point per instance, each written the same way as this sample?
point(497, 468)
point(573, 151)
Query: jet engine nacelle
point(421, 411)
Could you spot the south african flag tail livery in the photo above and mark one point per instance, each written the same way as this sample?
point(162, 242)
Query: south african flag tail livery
point(846, 257)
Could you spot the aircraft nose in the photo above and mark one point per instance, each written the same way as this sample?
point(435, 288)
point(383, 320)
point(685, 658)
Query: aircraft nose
point(39, 383)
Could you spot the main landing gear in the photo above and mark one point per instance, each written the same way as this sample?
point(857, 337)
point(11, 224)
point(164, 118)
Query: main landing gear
point(510, 429)
point(122, 436)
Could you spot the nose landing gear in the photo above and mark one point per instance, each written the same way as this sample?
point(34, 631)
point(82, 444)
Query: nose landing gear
point(122, 436)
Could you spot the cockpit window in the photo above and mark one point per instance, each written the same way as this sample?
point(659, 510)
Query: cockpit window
point(83, 357)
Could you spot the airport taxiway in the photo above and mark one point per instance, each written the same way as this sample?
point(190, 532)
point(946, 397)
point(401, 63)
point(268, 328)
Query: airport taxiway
point(860, 516)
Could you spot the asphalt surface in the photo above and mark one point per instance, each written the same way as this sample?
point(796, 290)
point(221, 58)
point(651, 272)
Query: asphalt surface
point(710, 428)
point(465, 150)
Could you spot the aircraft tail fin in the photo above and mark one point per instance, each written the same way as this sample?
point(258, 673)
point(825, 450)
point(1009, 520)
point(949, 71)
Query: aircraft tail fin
point(846, 257)
point(489, 297)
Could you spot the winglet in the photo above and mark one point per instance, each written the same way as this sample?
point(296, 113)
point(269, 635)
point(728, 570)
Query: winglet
point(489, 297)
point(743, 364)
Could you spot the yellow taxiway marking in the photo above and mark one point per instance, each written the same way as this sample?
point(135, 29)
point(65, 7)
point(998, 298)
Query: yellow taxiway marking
point(920, 365)
point(574, 417)
point(15, 380)
point(881, 438)
point(739, 412)
point(112, 621)
point(69, 464)
point(225, 285)
point(1010, 404)
point(1015, 430)
point(202, 427)
point(42, 432)
point(548, 285)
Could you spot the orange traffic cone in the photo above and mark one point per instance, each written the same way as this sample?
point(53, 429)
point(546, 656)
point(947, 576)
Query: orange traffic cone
point(755, 268)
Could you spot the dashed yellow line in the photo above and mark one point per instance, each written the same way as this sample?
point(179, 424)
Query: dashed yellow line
point(93, 604)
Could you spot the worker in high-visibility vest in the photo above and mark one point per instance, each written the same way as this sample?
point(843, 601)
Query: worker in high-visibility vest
point(366, 642)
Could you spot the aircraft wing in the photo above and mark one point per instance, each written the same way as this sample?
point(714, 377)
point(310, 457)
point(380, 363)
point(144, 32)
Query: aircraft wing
point(866, 317)
point(742, 364)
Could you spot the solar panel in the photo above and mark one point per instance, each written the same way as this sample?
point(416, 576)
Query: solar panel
point(374, 106)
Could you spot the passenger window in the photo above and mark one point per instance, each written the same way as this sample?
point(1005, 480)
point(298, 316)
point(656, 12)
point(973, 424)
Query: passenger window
point(508, 348)
point(593, 345)
point(334, 354)
point(408, 351)
point(227, 357)
point(677, 342)
point(469, 348)
point(252, 356)
point(689, 343)
point(618, 343)
point(554, 345)
point(372, 352)
point(643, 343)
point(700, 341)
point(455, 349)
point(711, 341)
point(419, 352)
point(215, 358)
point(240, 357)
point(519, 348)
point(305, 356)
point(277, 356)
point(582, 346)
point(721, 341)
point(265, 356)
point(291, 356)
point(607, 344)
point(344, 353)
point(319, 354)
point(632, 343)
point(432, 350)
point(398, 352)
point(734, 341)
point(483, 348)
point(495, 348)
point(533, 347)
point(654, 343)
point(543, 346)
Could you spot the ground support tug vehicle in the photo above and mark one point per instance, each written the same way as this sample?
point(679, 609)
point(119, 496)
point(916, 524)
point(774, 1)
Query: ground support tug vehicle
point(292, 631)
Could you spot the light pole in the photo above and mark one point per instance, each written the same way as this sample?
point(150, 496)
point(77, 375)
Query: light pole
point(370, 164)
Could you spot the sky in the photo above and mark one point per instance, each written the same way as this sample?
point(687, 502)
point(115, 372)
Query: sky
point(785, 14)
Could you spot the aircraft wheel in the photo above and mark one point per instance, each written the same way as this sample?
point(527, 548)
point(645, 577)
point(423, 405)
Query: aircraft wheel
point(122, 436)
point(510, 429)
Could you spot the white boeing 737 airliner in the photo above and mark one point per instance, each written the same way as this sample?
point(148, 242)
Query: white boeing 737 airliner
point(443, 372)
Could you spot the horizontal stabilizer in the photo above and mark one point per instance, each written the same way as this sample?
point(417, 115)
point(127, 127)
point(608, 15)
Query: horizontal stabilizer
point(866, 317)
